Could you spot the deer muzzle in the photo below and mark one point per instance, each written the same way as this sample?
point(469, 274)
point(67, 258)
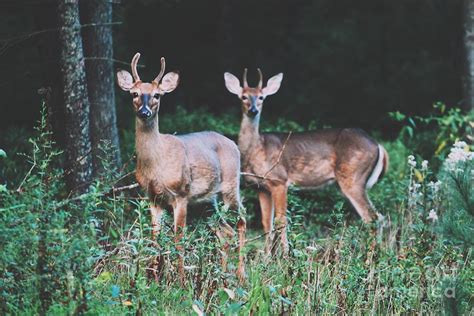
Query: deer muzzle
point(144, 112)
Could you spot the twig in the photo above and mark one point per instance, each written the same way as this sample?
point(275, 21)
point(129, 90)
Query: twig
point(265, 175)
point(28, 173)
point(114, 60)
point(53, 29)
point(249, 174)
point(127, 187)
point(10, 42)
point(103, 194)
point(280, 154)
point(124, 176)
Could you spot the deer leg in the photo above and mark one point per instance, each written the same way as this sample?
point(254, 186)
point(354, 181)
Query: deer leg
point(241, 229)
point(357, 195)
point(266, 206)
point(180, 211)
point(279, 196)
point(225, 235)
point(156, 215)
point(232, 200)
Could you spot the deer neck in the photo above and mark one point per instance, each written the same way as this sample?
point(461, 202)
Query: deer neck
point(149, 142)
point(249, 136)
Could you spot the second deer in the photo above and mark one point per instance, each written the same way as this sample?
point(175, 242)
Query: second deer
point(275, 161)
point(179, 170)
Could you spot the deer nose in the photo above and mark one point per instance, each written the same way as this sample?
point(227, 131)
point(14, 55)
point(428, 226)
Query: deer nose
point(144, 113)
point(253, 111)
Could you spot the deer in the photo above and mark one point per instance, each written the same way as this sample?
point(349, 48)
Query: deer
point(273, 162)
point(180, 170)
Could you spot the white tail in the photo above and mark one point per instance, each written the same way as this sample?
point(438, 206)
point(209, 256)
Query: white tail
point(378, 169)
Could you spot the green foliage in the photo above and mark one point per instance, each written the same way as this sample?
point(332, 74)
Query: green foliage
point(47, 239)
point(94, 253)
point(435, 132)
point(457, 224)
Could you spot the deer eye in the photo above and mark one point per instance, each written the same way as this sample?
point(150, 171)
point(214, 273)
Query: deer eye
point(244, 97)
point(156, 96)
point(135, 94)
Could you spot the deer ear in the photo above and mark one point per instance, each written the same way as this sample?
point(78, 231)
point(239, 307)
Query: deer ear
point(169, 83)
point(232, 84)
point(124, 80)
point(273, 85)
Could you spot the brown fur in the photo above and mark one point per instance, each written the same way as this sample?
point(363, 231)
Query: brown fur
point(272, 162)
point(179, 170)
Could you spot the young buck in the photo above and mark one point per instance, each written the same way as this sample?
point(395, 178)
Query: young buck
point(179, 170)
point(275, 161)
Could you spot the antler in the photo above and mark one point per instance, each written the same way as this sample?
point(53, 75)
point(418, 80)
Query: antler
point(162, 71)
point(134, 67)
point(246, 85)
point(260, 81)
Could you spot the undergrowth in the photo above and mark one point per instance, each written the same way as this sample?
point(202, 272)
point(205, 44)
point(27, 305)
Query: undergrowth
point(94, 254)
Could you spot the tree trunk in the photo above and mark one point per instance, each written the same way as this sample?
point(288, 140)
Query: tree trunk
point(76, 102)
point(98, 50)
point(469, 53)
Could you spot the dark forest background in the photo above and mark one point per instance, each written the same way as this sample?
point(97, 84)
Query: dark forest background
point(346, 63)
point(75, 235)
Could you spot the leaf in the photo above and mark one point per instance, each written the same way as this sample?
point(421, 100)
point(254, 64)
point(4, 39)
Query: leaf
point(230, 293)
point(440, 148)
point(411, 121)
point(285, 300)
point(115, 289)
point(127, 303)
point(419, 176)
point(397, 116)
point(104, 277)
point(409, 131)
point(3, 154)
point(198, 310)
point(234, 308)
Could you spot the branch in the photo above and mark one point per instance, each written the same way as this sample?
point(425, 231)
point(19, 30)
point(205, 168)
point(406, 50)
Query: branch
point(248, 174)
point(280, 154)
point(101, 194)
point(121, 62)
point(124, 188)
point(12, 41)
point(265, 175)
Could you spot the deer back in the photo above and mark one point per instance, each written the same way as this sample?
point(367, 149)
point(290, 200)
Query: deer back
point(308, 159)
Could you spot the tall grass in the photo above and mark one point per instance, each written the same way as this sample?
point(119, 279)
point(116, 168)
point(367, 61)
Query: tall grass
point(95, 254)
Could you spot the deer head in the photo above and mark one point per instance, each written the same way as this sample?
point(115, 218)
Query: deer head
point(252, 98)
point(146, 96)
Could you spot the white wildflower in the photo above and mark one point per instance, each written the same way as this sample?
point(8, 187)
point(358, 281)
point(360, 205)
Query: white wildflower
point(432, 215)
point(435, 186)
point(311, 248)
point(459, 153)
point(424, 165)
point(411, 161)
point(460, 144)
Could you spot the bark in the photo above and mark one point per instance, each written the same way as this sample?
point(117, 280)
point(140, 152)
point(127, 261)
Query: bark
point(76, 102)
point(469, 53)
point(98, 50)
